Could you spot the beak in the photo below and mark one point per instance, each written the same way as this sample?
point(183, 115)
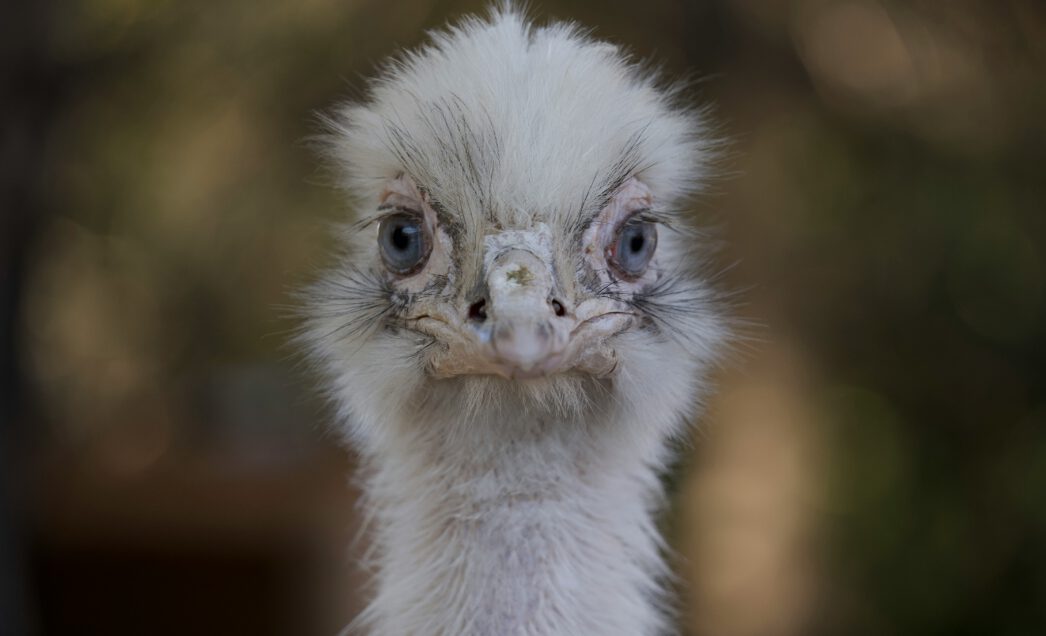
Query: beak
point(526, 332)
point(523, 328)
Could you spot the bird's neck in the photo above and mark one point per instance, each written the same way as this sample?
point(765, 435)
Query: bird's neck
point(545, 527)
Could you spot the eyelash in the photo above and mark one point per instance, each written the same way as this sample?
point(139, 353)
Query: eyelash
point(385, 212)
point(389, 210)
point(649, 215)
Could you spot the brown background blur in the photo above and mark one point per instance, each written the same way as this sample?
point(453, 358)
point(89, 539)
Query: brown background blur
point(875, 462)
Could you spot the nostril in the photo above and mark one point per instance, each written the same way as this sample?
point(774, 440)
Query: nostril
point(478, 310)
point(558, 308)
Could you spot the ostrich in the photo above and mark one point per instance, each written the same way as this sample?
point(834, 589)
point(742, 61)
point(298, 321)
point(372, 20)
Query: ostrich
point(516, 328)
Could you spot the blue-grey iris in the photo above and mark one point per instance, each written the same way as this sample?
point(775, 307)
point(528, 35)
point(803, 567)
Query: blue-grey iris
point(633, 248)
point(404, 244)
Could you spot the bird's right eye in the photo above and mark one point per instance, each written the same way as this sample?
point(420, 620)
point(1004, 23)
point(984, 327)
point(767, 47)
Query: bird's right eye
point(404, 243)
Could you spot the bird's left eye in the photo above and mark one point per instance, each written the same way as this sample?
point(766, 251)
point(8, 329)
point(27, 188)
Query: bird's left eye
point(404, 243)
point(633, 247)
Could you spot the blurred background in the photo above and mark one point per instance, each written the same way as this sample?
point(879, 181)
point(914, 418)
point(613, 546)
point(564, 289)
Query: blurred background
point(874, 464)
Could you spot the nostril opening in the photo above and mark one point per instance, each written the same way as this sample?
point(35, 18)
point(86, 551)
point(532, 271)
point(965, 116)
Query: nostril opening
point(478, 310)
point(558, 308)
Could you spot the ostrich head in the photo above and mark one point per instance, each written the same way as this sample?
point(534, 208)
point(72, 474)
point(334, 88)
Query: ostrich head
point(520, 236)
point(515, 327)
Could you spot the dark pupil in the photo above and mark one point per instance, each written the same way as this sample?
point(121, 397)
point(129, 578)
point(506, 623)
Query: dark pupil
point(402, 236)
point(636, 243)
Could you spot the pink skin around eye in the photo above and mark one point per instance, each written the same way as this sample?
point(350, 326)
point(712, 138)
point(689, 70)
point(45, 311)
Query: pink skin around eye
point(600, 237)
point(401, 192)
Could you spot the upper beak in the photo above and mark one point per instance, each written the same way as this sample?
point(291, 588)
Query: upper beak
point(524, 327)
point(526, 332)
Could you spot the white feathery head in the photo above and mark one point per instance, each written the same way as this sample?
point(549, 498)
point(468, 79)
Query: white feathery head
point(516, 326)
point(508, 141)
